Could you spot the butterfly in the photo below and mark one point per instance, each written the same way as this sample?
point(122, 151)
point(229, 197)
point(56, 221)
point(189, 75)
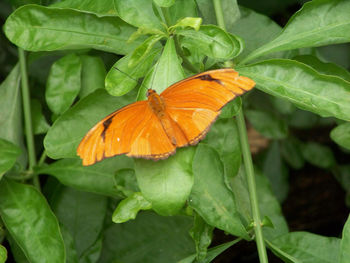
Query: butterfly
point(180, 116)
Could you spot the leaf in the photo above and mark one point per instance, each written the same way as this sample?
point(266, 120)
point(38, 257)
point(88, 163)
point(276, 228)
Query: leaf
point(164, 3)
point(182, 9)
point(318, 155)
point(317, 23)
point(307, 247)
point(128, 208)
point(210, 197)
point(99, 8)
point(291, 152)
point(194, 22)
point(121, 78)
point(64, 136)
point(341, 135)
point(138, 13)
point(86, 216)
point(98, 178)
point(169, 236)
point(267, 124)
point(39, 122)
point(301, 119)
point(71, 253)
point(166, 183)
point(302, 85)
point(345, 243)
point(231, 109)
point(30, 222)
point(93, 75)
point(164, 73)
point(126, 183)
point(211, 41)
point(63, 83)
point(39, 28)
point(3, 254)
point(8, 155)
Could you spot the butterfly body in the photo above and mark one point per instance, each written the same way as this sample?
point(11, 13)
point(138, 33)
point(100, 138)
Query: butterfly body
point(152, 129)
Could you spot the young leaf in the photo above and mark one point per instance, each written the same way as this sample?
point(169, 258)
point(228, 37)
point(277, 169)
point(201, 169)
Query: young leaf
point(30, 222)
point(210, 197)
point(341, 135)
point(164, 3)
point(318, 155)
point(317, 23)
point(40, 124)
point(182, 9)
point(63, 83)
point(302, 85)
point(128, 208)
point(3, 254)
point(8, 155)
point(167, 183)
point(345, 243)
point(39, 28)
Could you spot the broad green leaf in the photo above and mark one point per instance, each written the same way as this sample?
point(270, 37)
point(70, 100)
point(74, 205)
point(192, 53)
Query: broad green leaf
point(11, 111)
point(39, 28)
point(93, 75)
point(82, 214)
point(212, 41)
point(302, 85)
point(291, 153)
point(3, 254)
point(164, 73)
point(318, 155)
point(341, 135)
point(121, 78)
point(267, 124)
point(202, 234)
point(302, 119)
point(345, 243)
point(30, 222)
point(182, 9)
point(324, 67)
point(66, 133)
point(306, 247)
point(281, 254)
point(138, 13)
point(317, 23)
point(283, 106)
point(40, 124)
point(210, 196)
point(231, 109)
point(128, 208)
point(64, 83)
point(194, 22)
point(98, 178)
point(8, 155)
point(166, 183)
point(151, 238)
point(99, 8)
point(71, 252)
point(164, 3)
point(16, 251)
point(125, 181)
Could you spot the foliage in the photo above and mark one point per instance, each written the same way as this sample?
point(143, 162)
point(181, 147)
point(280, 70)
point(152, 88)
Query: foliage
point(88, 58)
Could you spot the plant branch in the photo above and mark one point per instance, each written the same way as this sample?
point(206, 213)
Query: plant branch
point(247, 159)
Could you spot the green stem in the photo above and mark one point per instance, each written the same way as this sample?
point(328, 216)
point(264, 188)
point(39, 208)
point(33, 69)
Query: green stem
point(247, 159)
point(42, 158)
point(27, 115)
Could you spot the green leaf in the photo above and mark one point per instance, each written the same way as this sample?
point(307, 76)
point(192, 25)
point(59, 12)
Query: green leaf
point(164, 3)
point(194, 22)
point(211, 41)
point(169, 236)
point(182, 9)
point(345, 243)
point(341, 135)
point(302, 85)
point(318, 155)
point(8, 155)
point(138, 13)
point(3, 254)
point(66, 133)
point(166, 183)
point(11, 112)
point(210, 196)
point(231, 109)
point(267, 124)
point(30, 222)
point(301, 119)
point(93, 75)
point(164, 73)
point(40, 124)
point(63, 83)
point(128, 208)
point(126, 183)
point(121, 78)
point(71, 252)
point(86, 216)
point(323, 67)
point(98, 178)
point(317, 23)
point(39, 28)
point(16, 251)
point(307, 247)
point(99, 8)
point(291, 152)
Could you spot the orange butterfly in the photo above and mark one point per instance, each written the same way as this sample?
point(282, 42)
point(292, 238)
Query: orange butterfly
point(152, 129)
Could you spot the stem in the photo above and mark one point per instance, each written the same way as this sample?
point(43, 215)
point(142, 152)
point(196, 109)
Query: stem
point(27, 115)
point(247, 159)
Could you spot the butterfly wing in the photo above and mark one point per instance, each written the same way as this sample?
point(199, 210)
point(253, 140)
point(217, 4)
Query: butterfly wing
point(195, 103)
point(133, 130)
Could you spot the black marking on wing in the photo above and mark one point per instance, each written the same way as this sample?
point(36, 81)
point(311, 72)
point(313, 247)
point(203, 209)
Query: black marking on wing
point(106, 124)
point(207, 77)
